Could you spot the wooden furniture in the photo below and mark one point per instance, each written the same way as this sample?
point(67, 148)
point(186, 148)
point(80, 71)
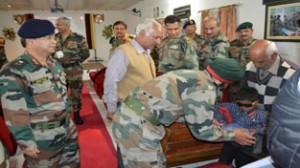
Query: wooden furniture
point(180, 147)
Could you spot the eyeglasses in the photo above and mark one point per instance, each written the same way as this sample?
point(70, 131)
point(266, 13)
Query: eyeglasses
point(245, 105)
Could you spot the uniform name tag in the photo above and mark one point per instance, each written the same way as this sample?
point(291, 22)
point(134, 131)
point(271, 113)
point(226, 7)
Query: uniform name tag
point(41, 80)
point(174, 47)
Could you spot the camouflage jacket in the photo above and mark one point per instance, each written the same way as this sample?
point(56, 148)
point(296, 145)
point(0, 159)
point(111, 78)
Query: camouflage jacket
point(199, 41)
point(32, 93)
point(180, 94)
point(239, 51)
point(74, 47)
point(179, 53)
point(214, 48)
point(3, 59)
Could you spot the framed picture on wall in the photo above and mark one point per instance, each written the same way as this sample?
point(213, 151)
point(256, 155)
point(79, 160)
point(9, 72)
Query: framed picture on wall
point(283, 21)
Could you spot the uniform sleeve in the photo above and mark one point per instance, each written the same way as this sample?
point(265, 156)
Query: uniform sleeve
point(15, 110)
point(221, 49)
point(191, 57)
point(84, 50)
point(198, 111)
point(115, 72)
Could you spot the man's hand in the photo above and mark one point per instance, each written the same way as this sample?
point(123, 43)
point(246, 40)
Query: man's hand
point(216, 123)
point(32, 152)
point(242, 138)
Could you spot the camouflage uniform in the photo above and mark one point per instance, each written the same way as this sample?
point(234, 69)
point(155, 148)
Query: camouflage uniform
point(3, 59)
point(179, 53)
point(199, 41)
point(115, 43)
point(214, 48)
point(239, 51)
point(37, 110)
point(75, 51)
point(138, 125)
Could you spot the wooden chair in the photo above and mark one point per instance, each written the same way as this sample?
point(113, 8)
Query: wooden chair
point(180, 147)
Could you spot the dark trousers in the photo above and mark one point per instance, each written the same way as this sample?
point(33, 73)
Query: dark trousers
point(231, 150)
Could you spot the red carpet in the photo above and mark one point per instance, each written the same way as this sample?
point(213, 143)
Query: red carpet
point(96, 147)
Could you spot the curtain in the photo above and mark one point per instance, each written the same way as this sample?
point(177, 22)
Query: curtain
point(89, 27)
point(227, 18)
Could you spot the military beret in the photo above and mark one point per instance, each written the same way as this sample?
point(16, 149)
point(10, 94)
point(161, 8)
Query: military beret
point(188, 23)
point(226, 70)
point(36, 28)
point(245, 25)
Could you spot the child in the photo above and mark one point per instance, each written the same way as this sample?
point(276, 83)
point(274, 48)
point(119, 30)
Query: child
point(242, 113)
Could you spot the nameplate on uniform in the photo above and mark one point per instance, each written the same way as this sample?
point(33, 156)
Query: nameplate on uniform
point(41, 80)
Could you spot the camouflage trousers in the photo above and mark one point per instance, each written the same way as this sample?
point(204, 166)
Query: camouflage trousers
point(58, 148)
point(138, 140)
point(75, 84)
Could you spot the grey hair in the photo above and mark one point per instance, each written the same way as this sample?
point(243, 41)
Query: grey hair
point(147, 26)
point(64, 20)
point(271, 49)
point(208, 18)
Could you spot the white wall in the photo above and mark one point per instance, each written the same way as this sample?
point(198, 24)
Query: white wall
point(14, 48)
point(249, 10)
point(252, 11)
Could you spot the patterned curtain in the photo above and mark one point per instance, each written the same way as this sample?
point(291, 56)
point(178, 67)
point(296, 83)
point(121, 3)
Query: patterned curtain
point(227, 18)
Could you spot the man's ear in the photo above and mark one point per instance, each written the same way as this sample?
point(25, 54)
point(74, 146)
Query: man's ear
point(274, 56)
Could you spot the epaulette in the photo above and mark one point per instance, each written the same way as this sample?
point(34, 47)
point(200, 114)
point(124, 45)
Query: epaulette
point(18, 63)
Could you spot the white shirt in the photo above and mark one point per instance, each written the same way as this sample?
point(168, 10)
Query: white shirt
point(115, 72)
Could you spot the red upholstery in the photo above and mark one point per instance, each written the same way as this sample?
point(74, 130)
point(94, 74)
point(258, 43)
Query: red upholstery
point(5, 136)
point(98, 80)
point(215, 165)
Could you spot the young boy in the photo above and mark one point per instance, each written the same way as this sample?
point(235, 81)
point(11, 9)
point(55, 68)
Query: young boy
point(242, 113)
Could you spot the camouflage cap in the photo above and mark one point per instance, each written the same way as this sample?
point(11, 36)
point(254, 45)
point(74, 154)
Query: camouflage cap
point(188, 23)
point(36, 28)
point(245, 25)
point(226, 70)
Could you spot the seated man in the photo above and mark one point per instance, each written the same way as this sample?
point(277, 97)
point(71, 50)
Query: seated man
point(244, 114)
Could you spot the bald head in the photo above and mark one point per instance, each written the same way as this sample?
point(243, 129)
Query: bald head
point(263, 53)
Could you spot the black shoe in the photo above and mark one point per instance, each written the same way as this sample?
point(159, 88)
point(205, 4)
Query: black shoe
point(78, 119)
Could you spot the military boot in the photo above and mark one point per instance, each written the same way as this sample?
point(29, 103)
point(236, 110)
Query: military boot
point(78, 119)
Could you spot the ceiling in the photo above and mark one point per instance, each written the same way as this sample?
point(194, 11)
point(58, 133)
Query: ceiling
point(67, 4)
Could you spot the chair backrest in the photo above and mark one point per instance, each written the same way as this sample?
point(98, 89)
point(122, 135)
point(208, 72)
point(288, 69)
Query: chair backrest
point(98, 79)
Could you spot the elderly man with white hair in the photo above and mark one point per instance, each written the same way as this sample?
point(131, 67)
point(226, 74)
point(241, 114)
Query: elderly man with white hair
point(267, 72)
point(131, 65)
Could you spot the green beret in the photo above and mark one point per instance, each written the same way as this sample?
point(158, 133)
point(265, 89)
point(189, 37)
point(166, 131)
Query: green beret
point(188, 23)
point(245, 25)
point(36, 28)
point(226, 70)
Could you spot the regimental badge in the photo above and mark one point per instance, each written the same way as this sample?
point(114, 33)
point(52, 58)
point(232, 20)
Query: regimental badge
point(19, 19)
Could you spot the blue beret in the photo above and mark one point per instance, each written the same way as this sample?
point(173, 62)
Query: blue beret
point(36, 28)
point(245, 25)
point(188, 23)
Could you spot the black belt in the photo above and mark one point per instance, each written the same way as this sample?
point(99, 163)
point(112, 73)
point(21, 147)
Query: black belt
point(49, 125)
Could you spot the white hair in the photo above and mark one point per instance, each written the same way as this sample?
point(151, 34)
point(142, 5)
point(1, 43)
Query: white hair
point(147, 26)
point(271, 49)
point(64, 20)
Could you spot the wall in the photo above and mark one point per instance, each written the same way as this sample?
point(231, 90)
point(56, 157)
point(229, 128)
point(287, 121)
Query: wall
point(14, 48)
point(253, 11)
